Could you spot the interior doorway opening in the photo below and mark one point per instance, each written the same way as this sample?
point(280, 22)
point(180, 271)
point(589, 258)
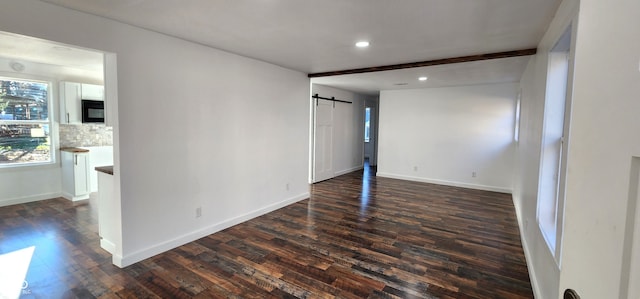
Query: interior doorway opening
point(76, 74)
point(371, 132)
point(339, 132)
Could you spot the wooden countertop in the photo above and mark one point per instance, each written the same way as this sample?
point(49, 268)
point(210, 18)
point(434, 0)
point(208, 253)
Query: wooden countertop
point(74, 150)
point(105, 169)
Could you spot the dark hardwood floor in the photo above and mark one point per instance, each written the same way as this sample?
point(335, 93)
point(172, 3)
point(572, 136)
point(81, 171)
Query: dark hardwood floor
point(358, 236)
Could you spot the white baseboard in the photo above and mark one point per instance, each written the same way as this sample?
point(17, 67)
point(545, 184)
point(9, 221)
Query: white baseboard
point(195, 235)
point(26, 199)
point(117, 260)
point(352, 169)
point(108, 246)
point(532, 271)
point(74, 198)
point(527, 255)
point(111, 248)
point(443, 182)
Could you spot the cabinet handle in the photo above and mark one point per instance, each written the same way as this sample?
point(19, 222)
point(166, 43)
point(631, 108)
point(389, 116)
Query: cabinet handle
point(76, 162)
point(67, 117)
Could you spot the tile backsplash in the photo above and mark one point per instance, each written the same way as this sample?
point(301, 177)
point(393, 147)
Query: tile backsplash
point(85, 135)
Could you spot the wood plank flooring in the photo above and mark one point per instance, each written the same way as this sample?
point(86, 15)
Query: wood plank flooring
point(358, 236)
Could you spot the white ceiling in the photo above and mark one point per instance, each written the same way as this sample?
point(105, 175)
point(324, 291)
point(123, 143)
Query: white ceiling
point(24, 48)
point(319, 36)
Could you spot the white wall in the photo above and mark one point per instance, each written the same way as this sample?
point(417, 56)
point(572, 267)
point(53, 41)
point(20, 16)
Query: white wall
point(442, 135)
point(544, 270)
point(25, 184)
point(197, 127)
point(602, 141)
point(348, 128)
point(604, 137)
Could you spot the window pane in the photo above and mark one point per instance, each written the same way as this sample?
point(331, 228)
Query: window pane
point(24, 143)
point(553, 156)
point(23, 100)
point(367, 117)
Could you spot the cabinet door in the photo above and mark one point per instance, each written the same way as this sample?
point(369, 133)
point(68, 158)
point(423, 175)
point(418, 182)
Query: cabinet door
point(68, 181)
point(92, 92)
point(81, 174)
point(70, 110)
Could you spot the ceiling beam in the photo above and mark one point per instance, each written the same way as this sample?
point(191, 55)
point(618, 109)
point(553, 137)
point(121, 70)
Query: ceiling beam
point(392, 67)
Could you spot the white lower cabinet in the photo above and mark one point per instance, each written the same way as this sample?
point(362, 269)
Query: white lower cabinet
point(76, 182)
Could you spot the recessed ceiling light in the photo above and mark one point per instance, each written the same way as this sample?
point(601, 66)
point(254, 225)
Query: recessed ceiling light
point(362, 44)
point(17, 66)
point(422, 78)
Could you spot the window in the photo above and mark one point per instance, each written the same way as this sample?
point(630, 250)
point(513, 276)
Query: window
point(24, 122)
point(554, 144)
point(516, 131)
point(367, 121)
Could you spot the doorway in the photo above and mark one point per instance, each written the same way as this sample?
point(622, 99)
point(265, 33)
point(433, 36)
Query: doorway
point(337, 132)
point(72, 74)
point(370, 134)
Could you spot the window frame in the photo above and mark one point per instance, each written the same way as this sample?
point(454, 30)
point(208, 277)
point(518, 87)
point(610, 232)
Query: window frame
point(563, 52)
point(367, 125)
point(518, 114)
point(50, 121)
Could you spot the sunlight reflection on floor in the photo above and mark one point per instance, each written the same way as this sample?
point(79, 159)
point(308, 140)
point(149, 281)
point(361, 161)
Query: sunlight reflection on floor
point(364, 195)
point(13, 271)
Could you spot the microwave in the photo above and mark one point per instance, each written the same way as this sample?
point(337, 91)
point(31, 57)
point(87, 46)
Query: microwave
point(92, 111)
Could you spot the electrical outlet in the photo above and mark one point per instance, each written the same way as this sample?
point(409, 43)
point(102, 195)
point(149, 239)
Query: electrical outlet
point(415, 168)
point(473, 174)
point(198, 212)
point(287, 186)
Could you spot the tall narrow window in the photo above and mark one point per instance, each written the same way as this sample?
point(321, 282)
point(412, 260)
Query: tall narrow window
point(367, 122)
point(516, 131)
point(24, 122)
point(553, 159)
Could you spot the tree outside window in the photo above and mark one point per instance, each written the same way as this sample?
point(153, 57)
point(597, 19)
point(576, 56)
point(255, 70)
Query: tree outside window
point(24, 122)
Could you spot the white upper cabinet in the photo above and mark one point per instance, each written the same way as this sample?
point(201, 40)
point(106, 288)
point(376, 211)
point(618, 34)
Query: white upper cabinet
point(71, 96)
point(70, 109)
point(92, 92)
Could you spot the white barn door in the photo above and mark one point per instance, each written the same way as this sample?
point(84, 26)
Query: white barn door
point(323, 141)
